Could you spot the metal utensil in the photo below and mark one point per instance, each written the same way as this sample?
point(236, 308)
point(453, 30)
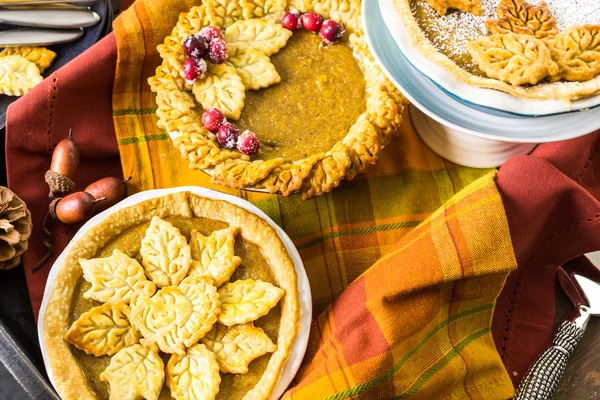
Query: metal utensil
point(38, 36)
point(27, 6)
point(543, 376)
point(40, 2)
point(49, 17)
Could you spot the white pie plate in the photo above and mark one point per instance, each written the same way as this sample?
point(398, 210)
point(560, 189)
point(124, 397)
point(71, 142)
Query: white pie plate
point(464, 92)
point(301, 342)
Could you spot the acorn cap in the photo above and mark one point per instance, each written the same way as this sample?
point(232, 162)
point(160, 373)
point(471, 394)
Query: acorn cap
point(59, 184)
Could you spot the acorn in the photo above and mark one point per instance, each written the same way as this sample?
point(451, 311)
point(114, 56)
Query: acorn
point(76, 207)
point(113, 189)
point(63, 168)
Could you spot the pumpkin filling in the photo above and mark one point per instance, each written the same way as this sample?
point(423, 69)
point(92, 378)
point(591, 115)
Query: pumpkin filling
point(253, 265)
point(320, 96)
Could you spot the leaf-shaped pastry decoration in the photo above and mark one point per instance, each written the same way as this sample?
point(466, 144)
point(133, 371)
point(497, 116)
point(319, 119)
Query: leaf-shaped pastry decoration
point(222, 13)
point(212, 256)
point(271, 10)
point(194, 375)
point(176, 317)
point(103, 330)
point(512, 58)
point(166, 256)
point(112, 278)
point(135, 372)
point(236, 346)
point(247, 300)
point(17, 75)
point(577, 52)
point(470, 6)
point(518, 16)
point(265, 36)
point(223, 89)
point(253, 66)
point(40, 56)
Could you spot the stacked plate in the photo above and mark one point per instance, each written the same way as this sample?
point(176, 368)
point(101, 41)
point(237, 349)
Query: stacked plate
point(467, 125)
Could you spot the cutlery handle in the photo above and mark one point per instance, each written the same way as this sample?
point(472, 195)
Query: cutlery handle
point(543, 376)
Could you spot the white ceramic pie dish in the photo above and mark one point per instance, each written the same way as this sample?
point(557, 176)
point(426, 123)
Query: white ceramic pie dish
point(301, 342)
point(471, 94)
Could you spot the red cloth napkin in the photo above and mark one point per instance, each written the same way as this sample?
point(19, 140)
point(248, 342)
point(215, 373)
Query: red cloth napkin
point(551, 196)
point(552, 205)
point(76, 96)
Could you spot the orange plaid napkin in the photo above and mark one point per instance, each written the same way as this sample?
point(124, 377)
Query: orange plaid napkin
point(405, 262)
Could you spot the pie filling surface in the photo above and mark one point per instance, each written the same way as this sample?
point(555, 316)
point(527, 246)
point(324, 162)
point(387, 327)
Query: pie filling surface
point(253, 265)
point(320, 96)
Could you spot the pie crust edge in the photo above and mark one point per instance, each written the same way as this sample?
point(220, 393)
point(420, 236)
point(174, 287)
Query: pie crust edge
point(567, 91)
point(68, 376)
point(312, 176)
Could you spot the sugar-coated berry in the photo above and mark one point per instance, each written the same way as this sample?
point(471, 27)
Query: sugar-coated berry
point(248, 143)
point(331, 31)
point(210, 32)
point(217, 53)
point(195, 46)
point(212, 119)
point(194, 69)
point(311, 22)
point(228, 135)
point(291, 20)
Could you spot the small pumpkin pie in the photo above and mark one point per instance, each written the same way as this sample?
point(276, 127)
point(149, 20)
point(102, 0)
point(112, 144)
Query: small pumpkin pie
point(177, 297)
point(544, 51)
point(313, 112)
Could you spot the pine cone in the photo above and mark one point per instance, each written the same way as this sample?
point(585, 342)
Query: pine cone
point(15, 228)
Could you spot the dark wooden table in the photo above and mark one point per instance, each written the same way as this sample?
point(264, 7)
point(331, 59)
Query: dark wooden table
point(582, 377)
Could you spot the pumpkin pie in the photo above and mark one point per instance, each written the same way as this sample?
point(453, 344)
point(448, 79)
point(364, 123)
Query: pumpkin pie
point(544, 51)
point(322, 113)
point(177, 297)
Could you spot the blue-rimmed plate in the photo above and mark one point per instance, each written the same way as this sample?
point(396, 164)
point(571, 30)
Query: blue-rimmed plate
point(438, 105)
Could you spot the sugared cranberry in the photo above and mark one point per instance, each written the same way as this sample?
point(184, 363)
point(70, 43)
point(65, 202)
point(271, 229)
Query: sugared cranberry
point(210, 32)
point(331, 31)
point(291, 20)
point(248, 143)
point(195, 46)
point(217, 53)
point(194, 69)
point(311, 22)
point(228, 135)
point(212, 119)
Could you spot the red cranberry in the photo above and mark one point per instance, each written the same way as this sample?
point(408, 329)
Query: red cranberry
point(331, 31)
point(311, 22)
point(210, 32)
point(291, 20)
point(248, 143)
point(228, 135)
point(194, 69)
point(217, 53)
point(212, 119)
point(195, 46)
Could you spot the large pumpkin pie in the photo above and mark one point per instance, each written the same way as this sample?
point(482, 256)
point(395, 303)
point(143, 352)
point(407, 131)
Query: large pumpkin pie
point(177, 297)
point(322, 112)
point(544, 50)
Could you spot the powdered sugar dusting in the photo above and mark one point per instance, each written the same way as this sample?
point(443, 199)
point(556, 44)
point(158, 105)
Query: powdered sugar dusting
point(451, 33)
point(575, 12)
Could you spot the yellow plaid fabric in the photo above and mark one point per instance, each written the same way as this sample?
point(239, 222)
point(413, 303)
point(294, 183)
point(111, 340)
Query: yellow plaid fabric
point(405, 262)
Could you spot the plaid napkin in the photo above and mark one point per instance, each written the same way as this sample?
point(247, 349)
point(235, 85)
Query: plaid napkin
point(403, 279)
